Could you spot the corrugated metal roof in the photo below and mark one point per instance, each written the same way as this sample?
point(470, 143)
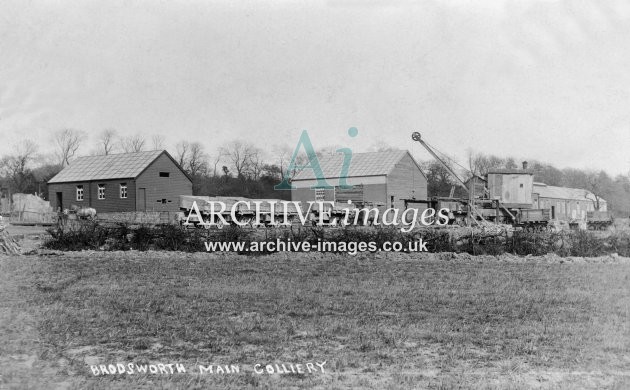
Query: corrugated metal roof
point(362, 164)
point(113, 166)
point(545, 191)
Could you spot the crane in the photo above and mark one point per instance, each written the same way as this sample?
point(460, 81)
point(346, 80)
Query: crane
point(418, 138)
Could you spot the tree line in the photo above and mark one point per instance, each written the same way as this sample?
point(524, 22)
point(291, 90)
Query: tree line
point(241, 168)
point(238, 168)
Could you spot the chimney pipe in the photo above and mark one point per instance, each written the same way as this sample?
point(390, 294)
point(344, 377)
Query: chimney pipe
point(524, 165)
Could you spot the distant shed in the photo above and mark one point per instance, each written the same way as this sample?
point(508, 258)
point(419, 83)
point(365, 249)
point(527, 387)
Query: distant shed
point(142, 181)
point(377, 179)
point(565, 203)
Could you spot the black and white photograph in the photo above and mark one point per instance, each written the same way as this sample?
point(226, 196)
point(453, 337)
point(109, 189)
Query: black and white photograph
point(318, 194)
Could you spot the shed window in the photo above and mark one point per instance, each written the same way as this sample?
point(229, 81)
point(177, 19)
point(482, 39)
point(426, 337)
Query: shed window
point(123, 190)
point(165, 174)
point(101, 191)
point(80, 192)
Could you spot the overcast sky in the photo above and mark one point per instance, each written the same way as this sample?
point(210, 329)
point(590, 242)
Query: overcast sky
point(548, 80)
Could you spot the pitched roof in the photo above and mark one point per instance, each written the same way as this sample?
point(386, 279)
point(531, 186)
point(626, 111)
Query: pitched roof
point(361, 164)
point(545, 191)
point(112, 166)
point(476, 177)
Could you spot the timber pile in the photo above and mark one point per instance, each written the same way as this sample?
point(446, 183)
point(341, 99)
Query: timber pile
point(489, 230)
point(8, 244)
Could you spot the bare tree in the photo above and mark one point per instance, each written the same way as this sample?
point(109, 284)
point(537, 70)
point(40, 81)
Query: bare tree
point(197, 162)
point(182, 153)
point(510, 163)
point(272, 171)
point(256, 164)
point(479, 163)
point(598, 184)
point(133, 143)
point(106, 142)
point(215, 162)
point(68, 142)
point(283, 155)
point(158, 141)
point(546, 173)
point(17, 167)
point(239, 154)
point(192, 158)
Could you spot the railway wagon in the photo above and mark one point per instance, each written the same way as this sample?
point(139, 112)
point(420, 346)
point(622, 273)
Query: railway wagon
point(598, 220)
point(534, 219)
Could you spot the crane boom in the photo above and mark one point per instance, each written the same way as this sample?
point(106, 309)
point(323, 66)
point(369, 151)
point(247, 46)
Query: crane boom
point(418, 138)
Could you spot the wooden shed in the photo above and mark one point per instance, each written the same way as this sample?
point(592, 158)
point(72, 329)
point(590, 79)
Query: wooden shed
point(142, 181)
point(512, 187)
point(382, 179)
point(565, 203)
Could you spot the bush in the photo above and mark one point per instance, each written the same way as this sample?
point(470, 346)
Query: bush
point(92, 235)
point(88, 235)
point(533, 243)
point(438, 240)
point(619, 243)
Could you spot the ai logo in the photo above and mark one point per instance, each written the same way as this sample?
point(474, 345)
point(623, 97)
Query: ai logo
point(313, 164)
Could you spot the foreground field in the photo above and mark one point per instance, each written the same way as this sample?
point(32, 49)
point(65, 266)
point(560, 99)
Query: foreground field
point(378, 321)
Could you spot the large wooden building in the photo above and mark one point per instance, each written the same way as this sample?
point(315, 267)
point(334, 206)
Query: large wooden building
point(142, 181)
point(378, 179)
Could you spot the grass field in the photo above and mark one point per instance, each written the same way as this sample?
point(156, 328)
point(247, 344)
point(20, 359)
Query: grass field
point(378, 321)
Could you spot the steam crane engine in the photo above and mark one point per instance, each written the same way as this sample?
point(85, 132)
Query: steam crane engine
point(505, 198)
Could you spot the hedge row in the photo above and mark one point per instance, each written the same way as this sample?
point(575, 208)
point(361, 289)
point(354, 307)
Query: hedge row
point(95, 236)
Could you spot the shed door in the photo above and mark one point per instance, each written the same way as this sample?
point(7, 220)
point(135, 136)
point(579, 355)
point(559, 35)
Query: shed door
point(60, 200)
point(142, 199)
